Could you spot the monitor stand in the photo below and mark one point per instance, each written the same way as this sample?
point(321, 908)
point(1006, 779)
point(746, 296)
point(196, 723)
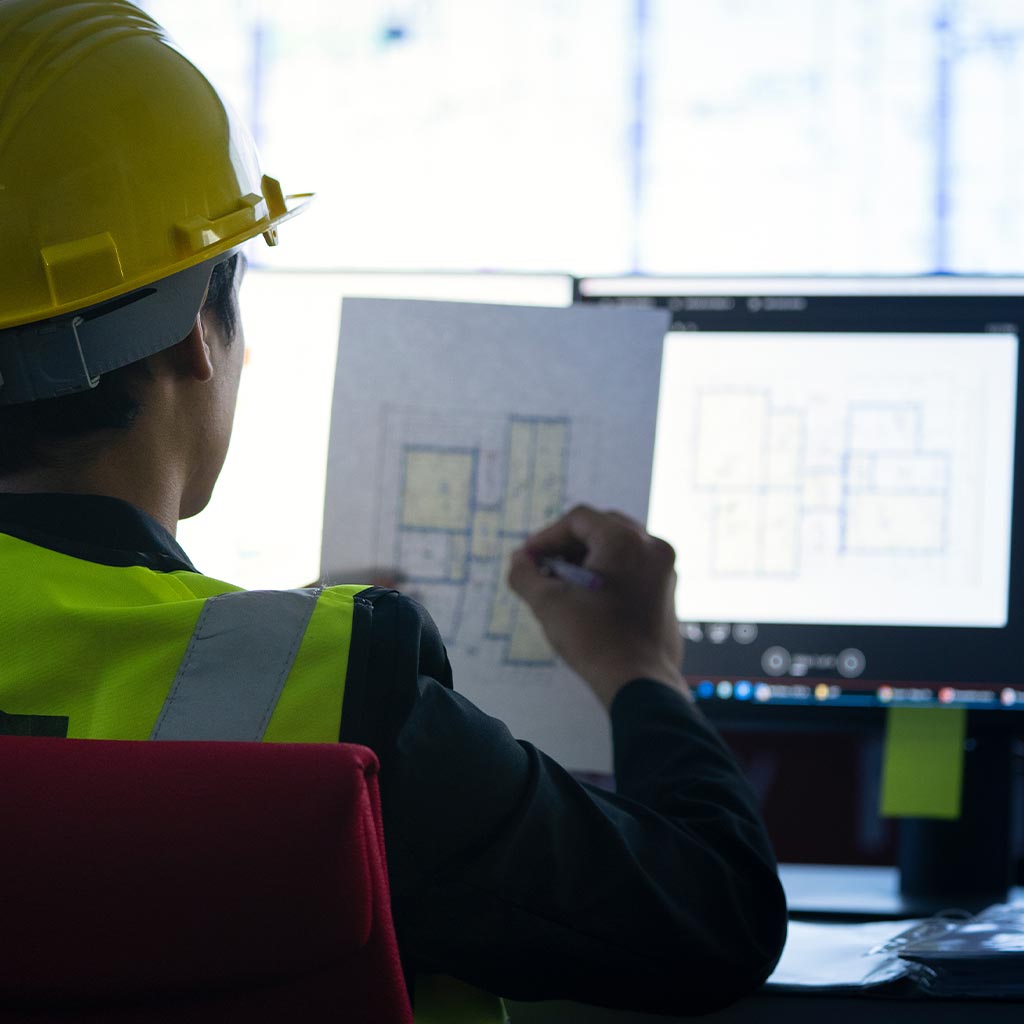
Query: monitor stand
point(966, 863)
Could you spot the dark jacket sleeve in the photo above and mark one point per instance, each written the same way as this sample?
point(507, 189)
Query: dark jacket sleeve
point(510, 874)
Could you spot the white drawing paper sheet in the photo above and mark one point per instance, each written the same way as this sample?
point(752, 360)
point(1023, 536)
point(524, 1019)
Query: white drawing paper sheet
point(457, 430)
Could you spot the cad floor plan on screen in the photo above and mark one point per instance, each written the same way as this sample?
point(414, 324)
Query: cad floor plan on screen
point(856, 465)
point(781, 496)
point(460, 493)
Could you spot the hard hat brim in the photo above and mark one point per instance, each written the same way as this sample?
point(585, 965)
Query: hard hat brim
point(70, 352)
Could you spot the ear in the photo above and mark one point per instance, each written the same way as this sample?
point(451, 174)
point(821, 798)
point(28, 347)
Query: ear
point(192, 354)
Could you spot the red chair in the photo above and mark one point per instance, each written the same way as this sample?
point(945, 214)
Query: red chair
point(147, 881)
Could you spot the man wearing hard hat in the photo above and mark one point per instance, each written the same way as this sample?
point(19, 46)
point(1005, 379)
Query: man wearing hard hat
point(126, 191)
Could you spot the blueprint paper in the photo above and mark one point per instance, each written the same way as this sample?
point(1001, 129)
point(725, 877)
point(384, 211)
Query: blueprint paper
point(458, 429)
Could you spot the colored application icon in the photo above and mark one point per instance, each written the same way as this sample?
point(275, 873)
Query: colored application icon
point(885, 694)
point(743, 690)
point(724, 689)
point(947, 695)
point(705, 689)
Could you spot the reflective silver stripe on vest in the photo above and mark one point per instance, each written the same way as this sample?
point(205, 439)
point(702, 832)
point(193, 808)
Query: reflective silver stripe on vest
point(236, 665)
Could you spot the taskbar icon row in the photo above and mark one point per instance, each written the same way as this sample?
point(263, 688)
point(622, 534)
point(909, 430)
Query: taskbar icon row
point(764, 691)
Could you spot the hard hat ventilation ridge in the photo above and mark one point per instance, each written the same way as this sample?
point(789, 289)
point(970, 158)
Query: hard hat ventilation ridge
point(62, 34)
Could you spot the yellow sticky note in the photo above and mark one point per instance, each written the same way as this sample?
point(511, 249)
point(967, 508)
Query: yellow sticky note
point(923, 766)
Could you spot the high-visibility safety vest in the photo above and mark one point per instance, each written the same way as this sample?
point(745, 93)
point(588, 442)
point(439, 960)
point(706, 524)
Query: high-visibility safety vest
point(125, 652)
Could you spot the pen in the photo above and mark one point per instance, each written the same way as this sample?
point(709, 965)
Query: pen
point(570, 572)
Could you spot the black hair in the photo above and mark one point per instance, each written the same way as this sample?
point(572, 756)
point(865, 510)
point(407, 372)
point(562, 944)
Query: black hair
point(32, 433)
point(220, 296)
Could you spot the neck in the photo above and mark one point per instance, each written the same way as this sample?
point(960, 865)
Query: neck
point(127, 469)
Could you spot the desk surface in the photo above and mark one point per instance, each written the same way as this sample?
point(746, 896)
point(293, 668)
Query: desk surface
point(788, 1009)
point(849, 891)
point(840, 892)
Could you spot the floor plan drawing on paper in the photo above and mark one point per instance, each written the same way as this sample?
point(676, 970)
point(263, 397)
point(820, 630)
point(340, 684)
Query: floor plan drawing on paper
point(459, 429)
point(468, 490)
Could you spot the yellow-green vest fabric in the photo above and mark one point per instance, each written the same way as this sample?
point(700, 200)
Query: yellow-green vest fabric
point(101, 646)
point(95, 650)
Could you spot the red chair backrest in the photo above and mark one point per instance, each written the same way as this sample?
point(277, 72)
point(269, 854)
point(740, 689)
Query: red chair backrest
point(147, 881)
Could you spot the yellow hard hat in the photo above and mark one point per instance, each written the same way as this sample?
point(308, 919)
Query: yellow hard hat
point(123, 175)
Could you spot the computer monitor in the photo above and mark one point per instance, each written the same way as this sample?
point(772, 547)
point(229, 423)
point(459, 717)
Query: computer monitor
point(839, 464)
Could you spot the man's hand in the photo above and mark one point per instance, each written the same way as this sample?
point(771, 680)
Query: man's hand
point(626, 628)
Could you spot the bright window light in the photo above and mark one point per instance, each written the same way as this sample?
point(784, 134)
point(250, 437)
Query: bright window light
point(610, 136)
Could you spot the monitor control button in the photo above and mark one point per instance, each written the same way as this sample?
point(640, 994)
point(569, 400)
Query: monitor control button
point(718, 632)
point(850, 663)
point(775, 661)
point(744, 632)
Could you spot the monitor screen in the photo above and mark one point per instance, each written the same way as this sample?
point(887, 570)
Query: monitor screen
point(835, 466)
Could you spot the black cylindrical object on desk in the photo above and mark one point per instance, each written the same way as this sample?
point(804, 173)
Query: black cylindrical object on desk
point(966, 863)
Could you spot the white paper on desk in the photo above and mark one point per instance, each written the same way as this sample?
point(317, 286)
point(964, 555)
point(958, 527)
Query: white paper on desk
point(459, 428)
point(819, 955)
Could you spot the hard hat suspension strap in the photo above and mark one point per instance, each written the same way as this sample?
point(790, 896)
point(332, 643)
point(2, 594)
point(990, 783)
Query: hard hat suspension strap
point(67, 354)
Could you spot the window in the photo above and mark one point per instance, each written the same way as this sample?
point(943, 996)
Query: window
point(603, 136)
